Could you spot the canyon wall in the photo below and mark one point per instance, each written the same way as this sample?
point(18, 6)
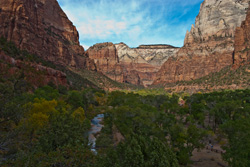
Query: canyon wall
point(214, 42)
point(130, 65)
point(42, 28)
point(209, 46)
point(242, 42)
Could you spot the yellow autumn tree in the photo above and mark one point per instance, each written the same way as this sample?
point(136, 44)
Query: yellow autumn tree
point(38, 114)
point(79, 114)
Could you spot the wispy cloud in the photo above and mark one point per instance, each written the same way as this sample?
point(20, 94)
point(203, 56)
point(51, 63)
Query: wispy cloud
point(133, 22)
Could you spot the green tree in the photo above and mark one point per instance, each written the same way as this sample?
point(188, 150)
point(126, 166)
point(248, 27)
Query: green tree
point(238, 148)
point(140, 151)
point(75, 99)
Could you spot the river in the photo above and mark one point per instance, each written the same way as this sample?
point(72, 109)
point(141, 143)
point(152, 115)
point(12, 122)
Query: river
point(96, 127)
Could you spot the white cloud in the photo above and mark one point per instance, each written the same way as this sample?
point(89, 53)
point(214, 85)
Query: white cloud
point(133, 22)
point(86, 47)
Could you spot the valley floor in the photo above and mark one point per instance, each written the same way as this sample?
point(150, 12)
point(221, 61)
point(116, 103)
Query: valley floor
point(207, 158)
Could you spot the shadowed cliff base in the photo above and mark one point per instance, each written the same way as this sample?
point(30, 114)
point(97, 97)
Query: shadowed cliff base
point(227, 78)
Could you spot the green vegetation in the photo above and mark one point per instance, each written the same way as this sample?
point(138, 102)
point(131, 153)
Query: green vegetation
point(49, 127)
point(216, 81)
point(77, 79)
point(11, 50)
point(101, 80)
point(45, 127)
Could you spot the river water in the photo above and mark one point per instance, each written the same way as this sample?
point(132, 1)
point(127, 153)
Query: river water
point(96, 127)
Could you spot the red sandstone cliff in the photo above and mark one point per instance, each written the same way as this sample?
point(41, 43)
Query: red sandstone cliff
point(107, 62)
point(209, 46)
point(105, 58)
point(242, 42)
point(42, 28)
point(130, 65)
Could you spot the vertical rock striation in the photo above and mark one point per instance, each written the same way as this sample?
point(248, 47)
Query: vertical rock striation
point(209, 45)
point(42, 28)
point(106, 60)
point(130, 65)
point(242, 42)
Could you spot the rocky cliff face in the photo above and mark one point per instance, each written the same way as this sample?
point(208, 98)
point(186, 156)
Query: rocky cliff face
point(154, 55)
point(209, 46)
point(217, 19)
point(130, 65)
point(106, 60)
point(242, 42)
point(42, 28)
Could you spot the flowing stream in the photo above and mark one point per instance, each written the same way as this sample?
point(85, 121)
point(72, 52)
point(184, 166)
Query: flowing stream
point(96, 127)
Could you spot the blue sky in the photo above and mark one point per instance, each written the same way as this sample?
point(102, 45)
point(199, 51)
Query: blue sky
point(133, 22)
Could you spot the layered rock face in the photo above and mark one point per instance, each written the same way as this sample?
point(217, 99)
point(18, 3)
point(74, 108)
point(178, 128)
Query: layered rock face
point(130, 65)
point(217, 19)
point(106, 60)
point(209, 46)
point(154, 55)
point(42, 28)
point(242, 42)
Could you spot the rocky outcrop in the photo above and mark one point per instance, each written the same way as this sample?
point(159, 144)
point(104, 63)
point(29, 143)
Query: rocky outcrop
point(154, 55)
point(106, 60)
point(130, 65)
point(242, 42)
point(35, 74)
point(144, 60)
point(42, 28)
point(217, 19)
point(209, 46)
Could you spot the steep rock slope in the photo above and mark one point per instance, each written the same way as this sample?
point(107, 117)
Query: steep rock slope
point(242, 42)
point(130, 65)
point(42, 28)
point(209, 46)
point(106, 60)
point(35, 74)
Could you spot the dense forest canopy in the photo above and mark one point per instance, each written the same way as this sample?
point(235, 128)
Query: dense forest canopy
point(49, 126)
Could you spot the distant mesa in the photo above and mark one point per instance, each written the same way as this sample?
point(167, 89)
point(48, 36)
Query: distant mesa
point(156, 46)
point(130, 65)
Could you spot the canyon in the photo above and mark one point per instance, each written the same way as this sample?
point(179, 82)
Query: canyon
point(63, 106)
point(208, 48)
point(130, 65)
point(219, 38)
